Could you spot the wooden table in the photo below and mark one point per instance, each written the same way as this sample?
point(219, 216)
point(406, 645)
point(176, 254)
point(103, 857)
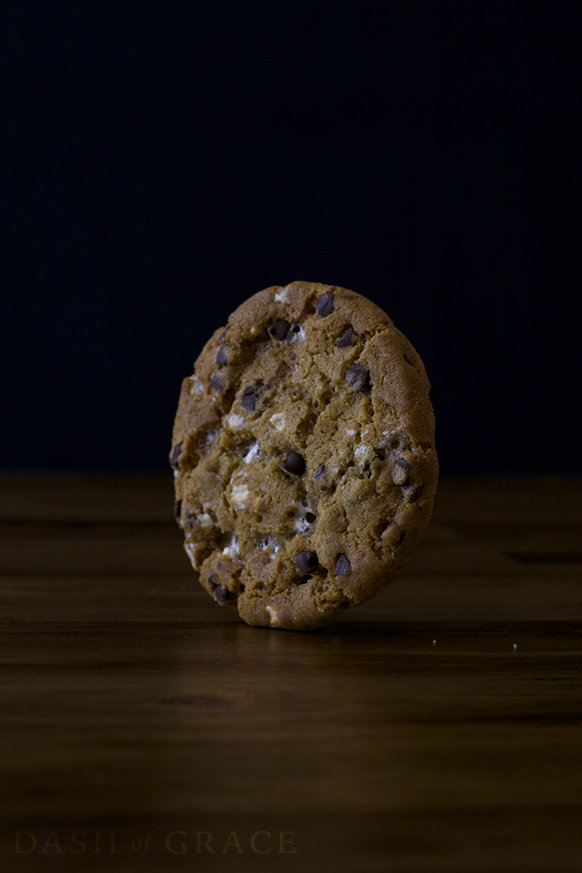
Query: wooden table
point(436, 728)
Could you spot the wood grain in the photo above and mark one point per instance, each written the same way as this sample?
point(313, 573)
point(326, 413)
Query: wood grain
point(435, 728)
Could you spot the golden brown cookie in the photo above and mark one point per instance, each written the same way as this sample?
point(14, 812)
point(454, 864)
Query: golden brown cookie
point(303, 455)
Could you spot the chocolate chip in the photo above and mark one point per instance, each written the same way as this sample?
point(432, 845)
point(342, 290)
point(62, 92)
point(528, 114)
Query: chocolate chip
point(357, 377)
point(342, 566)
point(221, 358)
point(400, 472)
point(212, 580)
point(221, 594)
point(306, 561)
point(175, 454)
point(279, 329)
point(319, 472)
point(177, 509)
point(416, 494)
point(216, 383)
point(346, 339)
point(249, 398)
point(294, 463)
point(325, 304)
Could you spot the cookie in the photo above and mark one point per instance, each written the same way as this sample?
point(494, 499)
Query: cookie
point(303, 455)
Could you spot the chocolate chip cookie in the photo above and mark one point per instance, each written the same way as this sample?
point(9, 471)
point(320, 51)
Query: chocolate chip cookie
point(303, 455)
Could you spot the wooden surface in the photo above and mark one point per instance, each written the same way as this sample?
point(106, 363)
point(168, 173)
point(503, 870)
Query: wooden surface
point(436, 728)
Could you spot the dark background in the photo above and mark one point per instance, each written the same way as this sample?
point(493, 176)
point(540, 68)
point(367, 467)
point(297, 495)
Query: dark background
point(163, 161)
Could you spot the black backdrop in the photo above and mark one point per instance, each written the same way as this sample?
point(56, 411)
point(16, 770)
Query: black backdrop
point(164, 160)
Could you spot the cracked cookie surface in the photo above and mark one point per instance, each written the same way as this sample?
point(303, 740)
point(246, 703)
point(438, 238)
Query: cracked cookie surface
point(303, 455)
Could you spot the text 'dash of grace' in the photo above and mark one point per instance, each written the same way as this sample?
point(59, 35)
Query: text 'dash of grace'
point(173, 842)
